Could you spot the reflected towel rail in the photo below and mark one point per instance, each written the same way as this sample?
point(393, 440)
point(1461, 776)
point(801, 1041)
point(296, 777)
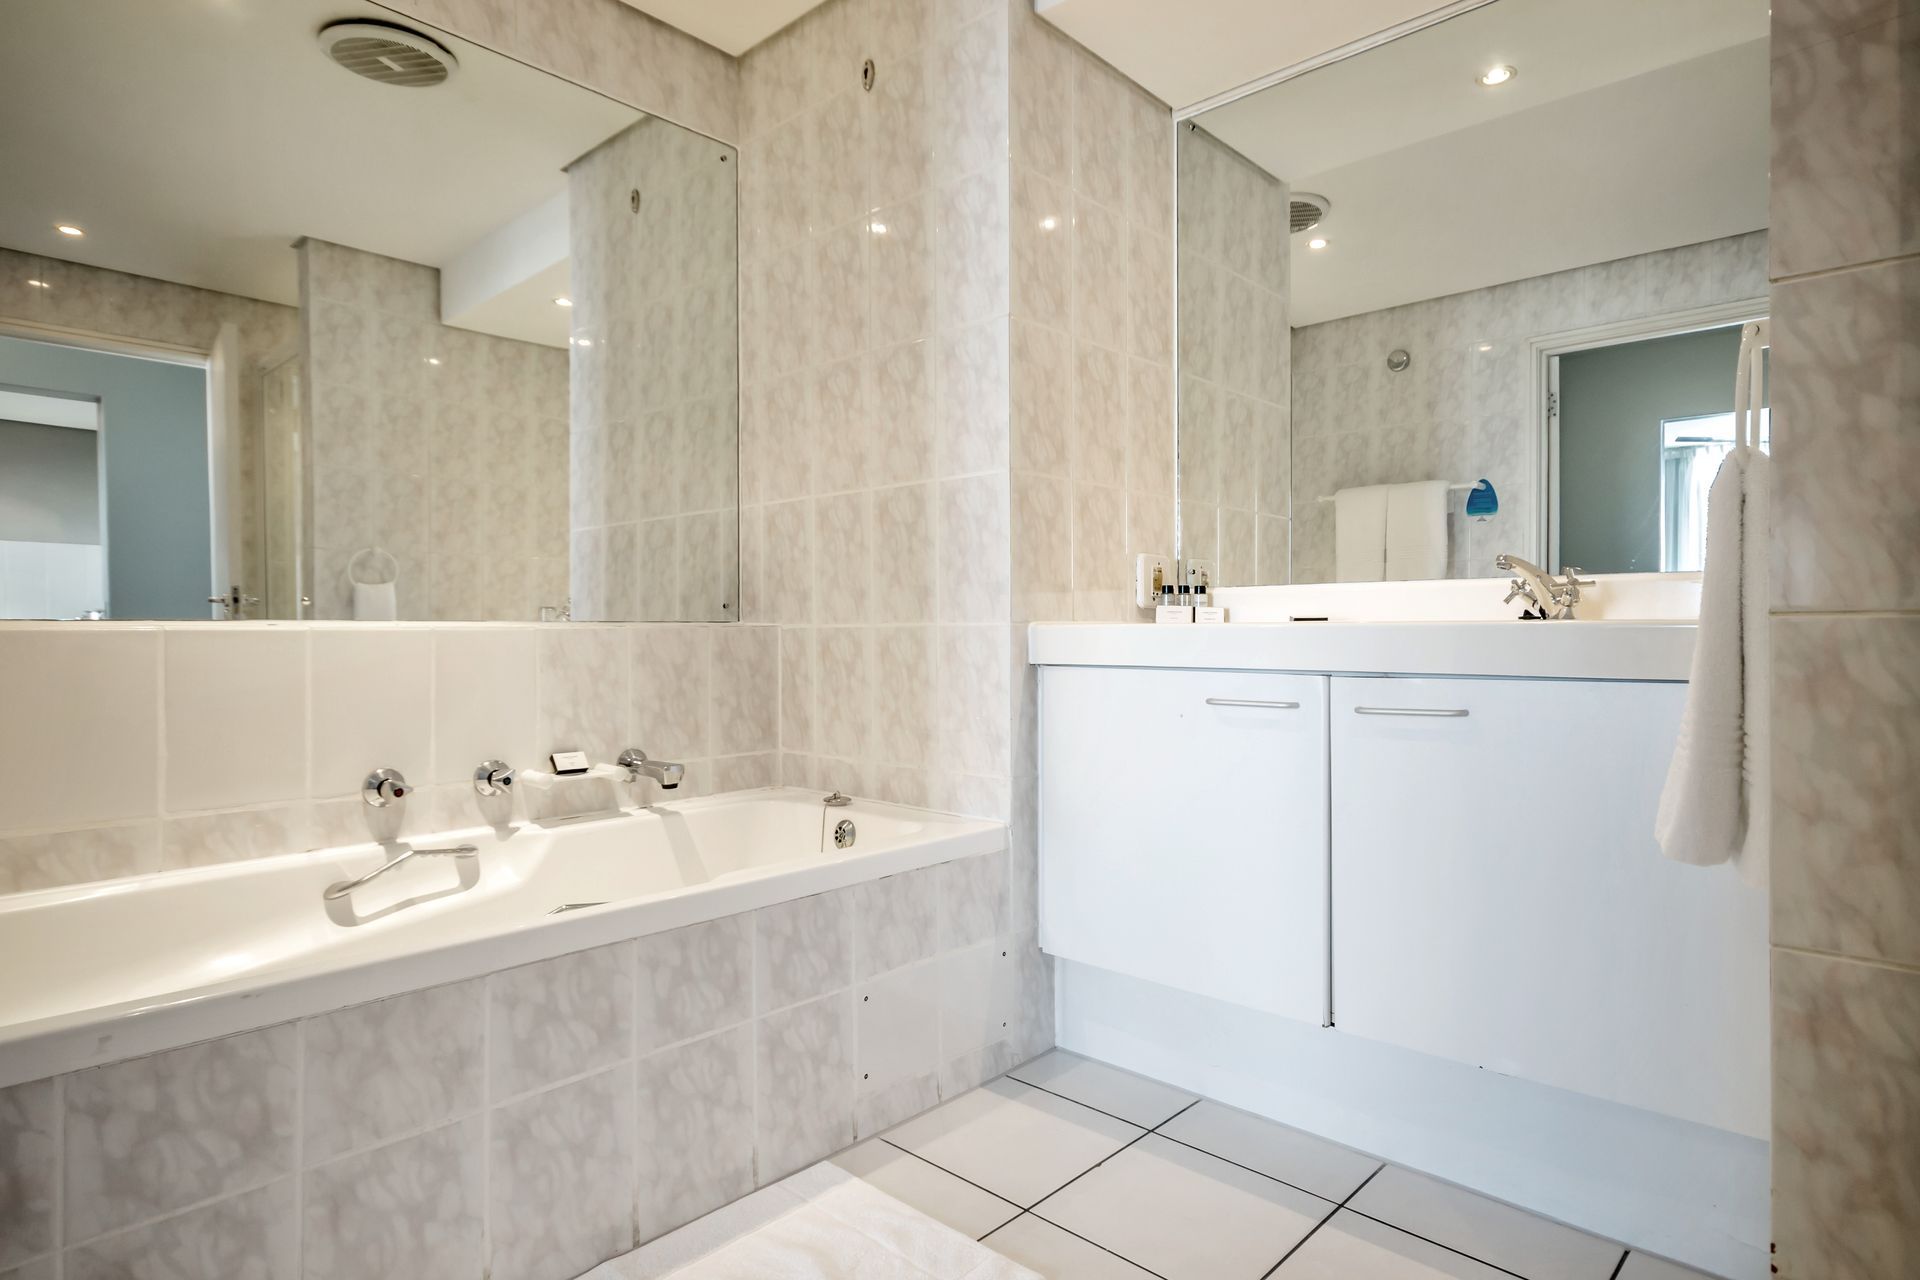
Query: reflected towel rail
point(1461, 486)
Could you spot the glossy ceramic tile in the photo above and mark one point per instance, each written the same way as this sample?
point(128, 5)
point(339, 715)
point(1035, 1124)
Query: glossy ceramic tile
point(89, 697)
point(378, 1070)
point(372, 697)
point(1846, 1106)
point(88, 853)
point(804, 1083)
point(1142, 1203)
point(1846, 863)
point(254, 1234)
point(560, 1193)
point(1130, 1097)
point(1014, 1140)
point(483, 699)
point(1294, 1156)
point(1352, 1247)
point(29, 1169)
point(693, 981)
point(803, 949)
point(1487, 1229)
point(413, 1208)
point(152, 1135)
point(695, 1129)
point(559, 1018)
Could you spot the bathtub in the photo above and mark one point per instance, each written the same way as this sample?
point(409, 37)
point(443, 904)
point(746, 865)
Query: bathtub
point(102, 972)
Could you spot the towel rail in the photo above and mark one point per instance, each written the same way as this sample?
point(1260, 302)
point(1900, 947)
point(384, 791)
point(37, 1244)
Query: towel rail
point(1459, 487)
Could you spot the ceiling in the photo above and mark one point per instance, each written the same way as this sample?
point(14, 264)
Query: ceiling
point(246, 138)
point(733, 25)
point(1607, 144)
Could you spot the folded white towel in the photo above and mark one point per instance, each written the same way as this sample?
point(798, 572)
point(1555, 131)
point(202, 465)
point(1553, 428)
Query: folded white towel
point(375, 602)
point(1360, 534)
point(1714, 806)
point(1416, 530)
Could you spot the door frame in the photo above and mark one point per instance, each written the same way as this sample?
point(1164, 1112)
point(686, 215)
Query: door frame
point(1543, 362)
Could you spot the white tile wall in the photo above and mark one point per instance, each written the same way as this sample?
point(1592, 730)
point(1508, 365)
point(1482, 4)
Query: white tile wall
point(138, 747)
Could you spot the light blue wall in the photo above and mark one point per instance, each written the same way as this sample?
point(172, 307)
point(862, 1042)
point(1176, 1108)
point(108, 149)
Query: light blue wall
point(153, 437)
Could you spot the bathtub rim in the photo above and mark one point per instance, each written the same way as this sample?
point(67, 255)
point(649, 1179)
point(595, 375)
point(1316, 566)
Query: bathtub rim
point(97, 1036)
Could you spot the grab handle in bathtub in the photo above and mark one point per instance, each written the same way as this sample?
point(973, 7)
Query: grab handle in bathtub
point(345, 887)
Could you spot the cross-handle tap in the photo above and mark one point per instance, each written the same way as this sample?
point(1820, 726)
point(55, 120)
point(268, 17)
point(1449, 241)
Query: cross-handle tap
point(1546, 596)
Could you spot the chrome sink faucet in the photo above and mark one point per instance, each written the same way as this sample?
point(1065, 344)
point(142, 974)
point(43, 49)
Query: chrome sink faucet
point(638, 766)
point(1545, 596)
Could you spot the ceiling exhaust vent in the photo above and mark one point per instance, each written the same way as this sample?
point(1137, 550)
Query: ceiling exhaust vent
point(1307, 210)
point(387, 53)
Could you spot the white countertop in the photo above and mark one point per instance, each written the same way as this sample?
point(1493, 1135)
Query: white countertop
point(1604, 650)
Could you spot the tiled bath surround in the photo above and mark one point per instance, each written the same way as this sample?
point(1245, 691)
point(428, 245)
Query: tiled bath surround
point(444, 447)
point(529, 1124)
point(160, 747)
point(1846, 639)
point(1462, 409)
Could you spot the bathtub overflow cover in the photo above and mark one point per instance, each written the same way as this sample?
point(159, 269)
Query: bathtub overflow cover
point(843, 834)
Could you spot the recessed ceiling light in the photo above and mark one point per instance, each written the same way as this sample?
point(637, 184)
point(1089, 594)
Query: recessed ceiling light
point(1317, 243)
point(68, 229)
point(39, 284)
point(563, 302)
point(1493, 77)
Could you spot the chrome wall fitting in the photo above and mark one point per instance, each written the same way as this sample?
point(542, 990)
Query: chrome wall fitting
point(493, 778)
point(339, 890)
point(383, 786)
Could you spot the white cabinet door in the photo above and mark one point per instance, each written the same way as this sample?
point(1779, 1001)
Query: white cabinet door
point(1183, 830)
point(1498, 898)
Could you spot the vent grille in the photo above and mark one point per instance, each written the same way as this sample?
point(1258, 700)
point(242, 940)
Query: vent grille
point(387, 54)
point(1307, 210)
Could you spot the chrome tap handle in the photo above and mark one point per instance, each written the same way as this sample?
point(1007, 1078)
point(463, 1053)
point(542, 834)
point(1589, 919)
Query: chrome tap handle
point(383, 786)
point(493, 778)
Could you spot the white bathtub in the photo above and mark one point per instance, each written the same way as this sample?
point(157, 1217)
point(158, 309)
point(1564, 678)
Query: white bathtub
point(108, 971)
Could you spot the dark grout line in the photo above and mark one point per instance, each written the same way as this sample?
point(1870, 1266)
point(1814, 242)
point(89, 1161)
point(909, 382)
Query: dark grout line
point(1011, 1204)
point(1096, 1110)
point(1331, 1214)
point(1009, 1222)
point(1096, 1244)
point(1621, 1265)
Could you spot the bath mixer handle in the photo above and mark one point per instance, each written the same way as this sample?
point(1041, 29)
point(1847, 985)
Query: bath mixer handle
point(345, 887)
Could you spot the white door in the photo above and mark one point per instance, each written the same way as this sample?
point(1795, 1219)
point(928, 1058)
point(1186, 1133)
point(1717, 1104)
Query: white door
point(1183, 830)
point(1498, 898)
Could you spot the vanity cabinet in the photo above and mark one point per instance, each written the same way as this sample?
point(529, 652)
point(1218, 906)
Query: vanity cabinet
point(1183, 829)
point(1498, 898)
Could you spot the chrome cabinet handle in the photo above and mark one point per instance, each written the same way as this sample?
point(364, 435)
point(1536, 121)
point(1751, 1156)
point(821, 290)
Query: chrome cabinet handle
point(1446, 712)
point(1252, 702)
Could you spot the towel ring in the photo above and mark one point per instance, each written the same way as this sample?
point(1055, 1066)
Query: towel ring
point(390, 570)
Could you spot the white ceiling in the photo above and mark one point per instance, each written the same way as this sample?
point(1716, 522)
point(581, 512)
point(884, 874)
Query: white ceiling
point(41, 408)
point(1187, 51)
point(195, 140)
point(1611, 142)
point(733, 25)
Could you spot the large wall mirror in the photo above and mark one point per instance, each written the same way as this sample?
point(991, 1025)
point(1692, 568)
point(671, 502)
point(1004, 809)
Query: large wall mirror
point(1473, 290)
point(324, 314)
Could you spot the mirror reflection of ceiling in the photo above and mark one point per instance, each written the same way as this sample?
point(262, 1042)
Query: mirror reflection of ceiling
point(1606, 144)
point(208, 135)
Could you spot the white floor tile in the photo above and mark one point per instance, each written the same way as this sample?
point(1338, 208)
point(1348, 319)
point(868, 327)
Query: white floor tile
point(1184, 1214)
point(1351, 1247)
point(1277, 1150)
point(1644, 1266)
point(1120, 1093)
point(1058, 1255)
point(933, 1192)
point(1018, 1142)
point(1486, 1229)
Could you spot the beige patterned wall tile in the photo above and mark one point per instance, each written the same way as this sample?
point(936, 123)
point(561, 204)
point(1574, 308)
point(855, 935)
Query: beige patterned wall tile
point(252, 1234)
point(151, 1135)
point(377, 1070)
point(896, 921)
point(670, 691)
point(972, 549)
point(560, 1189)
point(804, 1085)
point(973, 900)
point(29, 1169)
point(972, 419)
point(483, 699)
point(1846, 833)
point(414, 1208)
point(205, 839)
point(1846, 373)
point(902, 694)
point(692, 982)
point(583, 690)
point(558, 1018)
point(903, 549)
point(746, 690)
point(695, 1129)
point(1845, 146)
point(802, 949)
point(56, 858)
point(1846, 1108)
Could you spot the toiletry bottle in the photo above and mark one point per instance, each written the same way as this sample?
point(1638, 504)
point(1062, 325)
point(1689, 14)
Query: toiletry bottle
point(1170, 611)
